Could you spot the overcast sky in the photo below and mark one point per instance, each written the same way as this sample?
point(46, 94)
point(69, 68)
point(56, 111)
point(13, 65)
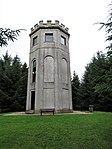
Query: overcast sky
point(78, 15)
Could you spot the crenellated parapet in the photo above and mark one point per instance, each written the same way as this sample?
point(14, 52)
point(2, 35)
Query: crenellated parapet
point(50, 25)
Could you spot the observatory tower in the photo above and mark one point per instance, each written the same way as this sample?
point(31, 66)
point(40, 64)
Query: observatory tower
point(49, 79)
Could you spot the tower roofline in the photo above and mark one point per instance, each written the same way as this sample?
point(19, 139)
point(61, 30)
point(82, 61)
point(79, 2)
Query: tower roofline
point(49, 25)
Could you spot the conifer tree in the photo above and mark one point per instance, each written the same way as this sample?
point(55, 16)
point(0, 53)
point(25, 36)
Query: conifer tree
point(108, 29)
point(96, 85)
point(13, 84)
point(75, 91)
point(8, 35)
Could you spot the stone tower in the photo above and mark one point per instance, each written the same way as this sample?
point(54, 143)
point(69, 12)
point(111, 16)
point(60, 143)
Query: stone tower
point(49, 79)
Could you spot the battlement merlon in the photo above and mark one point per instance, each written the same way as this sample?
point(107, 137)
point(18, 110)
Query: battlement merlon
point(49, 25)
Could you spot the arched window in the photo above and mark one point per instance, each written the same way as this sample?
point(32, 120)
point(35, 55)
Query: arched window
point(34, 71)
point(64, 71)
point(49, 69)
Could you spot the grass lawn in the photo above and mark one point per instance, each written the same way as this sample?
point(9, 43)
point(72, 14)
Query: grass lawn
point(92, 131)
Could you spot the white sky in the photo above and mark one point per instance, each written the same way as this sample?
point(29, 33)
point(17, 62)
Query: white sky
point(78, 15)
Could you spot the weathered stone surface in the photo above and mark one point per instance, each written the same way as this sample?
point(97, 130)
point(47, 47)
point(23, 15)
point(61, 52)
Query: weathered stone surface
point(52, 85)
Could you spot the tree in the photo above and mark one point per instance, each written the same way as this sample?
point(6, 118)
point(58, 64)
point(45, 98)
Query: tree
point(5, 82)
point(8, 34)
point(75, 91)
point(108, 28)
point(96, 86)
point(104, 88)
point(22, 86)
point(13, 84)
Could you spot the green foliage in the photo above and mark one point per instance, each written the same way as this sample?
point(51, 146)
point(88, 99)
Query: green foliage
point(75, 91)
point(108, 28)
point(13, 84)
point(96, 85)
point(8, 35)
point(56, 132)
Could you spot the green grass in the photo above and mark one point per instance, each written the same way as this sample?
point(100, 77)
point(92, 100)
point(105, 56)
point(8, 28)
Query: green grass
point(93, 131)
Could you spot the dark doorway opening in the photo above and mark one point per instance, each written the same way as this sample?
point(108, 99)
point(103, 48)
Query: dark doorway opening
point(32, 100)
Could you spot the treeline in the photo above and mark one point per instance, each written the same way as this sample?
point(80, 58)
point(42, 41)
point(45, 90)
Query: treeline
point(95, 88)
point(13, 84)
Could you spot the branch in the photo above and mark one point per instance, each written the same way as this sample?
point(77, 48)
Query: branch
point(7, 35)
